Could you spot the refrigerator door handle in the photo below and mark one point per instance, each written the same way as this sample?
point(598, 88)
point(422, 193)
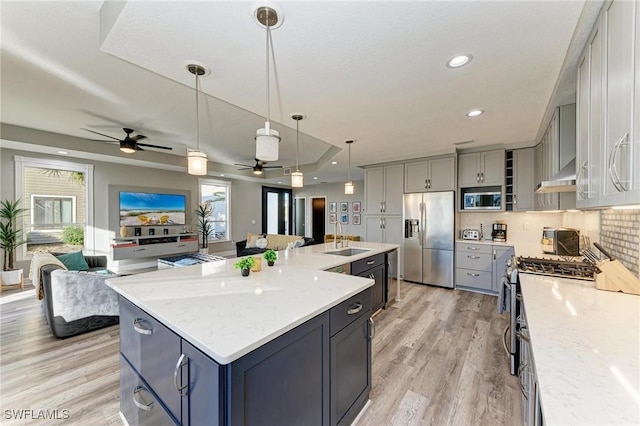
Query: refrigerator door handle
point(423, 223)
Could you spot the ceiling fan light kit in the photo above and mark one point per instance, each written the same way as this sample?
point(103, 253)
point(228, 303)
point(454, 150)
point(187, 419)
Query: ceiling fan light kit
point(196, 159)
point(267, 139)
point(349, 188)
point(297, 178)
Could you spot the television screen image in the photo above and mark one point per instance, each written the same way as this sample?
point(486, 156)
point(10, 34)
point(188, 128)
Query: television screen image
point(143, 208)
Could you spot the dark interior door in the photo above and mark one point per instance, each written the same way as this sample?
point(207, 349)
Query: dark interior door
point(277, 214)
point(317, 217)
point(300, 214)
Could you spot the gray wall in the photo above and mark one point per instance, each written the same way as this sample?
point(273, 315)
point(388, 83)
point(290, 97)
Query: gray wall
point(334, 192)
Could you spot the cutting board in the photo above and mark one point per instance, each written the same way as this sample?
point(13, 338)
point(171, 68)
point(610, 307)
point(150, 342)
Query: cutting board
point(616, 277)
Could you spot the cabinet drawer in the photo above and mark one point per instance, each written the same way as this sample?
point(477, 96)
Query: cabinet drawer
point(137, 403)
point(476, 279)
point(154, 250)
point(474, 248)
point(153, 351)
point(364, 264)
point(349, 310)
point(474, 260)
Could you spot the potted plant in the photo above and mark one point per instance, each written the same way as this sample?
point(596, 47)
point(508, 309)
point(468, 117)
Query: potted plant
point(245, 264)
point(270, 256)
point(205, 228)
point(10, 240)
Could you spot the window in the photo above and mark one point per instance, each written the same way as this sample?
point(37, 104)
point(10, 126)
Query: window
point(217, 193)
point(59, 199)
point(53, 212)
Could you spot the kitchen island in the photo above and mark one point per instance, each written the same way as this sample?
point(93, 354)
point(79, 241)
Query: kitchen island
point(585, 345)
point(283, 324)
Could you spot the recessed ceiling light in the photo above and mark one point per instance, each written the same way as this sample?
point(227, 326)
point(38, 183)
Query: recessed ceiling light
point(475, 113)
point(222, 174)
point(63, 152)
point(280, 182)
point(334, 162)
point(315, 177)
point(459, 60)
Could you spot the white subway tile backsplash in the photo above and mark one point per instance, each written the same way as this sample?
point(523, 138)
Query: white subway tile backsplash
point(620, 235)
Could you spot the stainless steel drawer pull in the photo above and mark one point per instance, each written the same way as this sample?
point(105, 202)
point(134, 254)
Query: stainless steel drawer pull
point(372, 328)
point(473, 257)
point(139, 249)
point(354, 309)
point(182, 361)
point(181, 245)
point(146, 406)
point(472, 248)
point(371, 262)
point(471, 274)
point(142, 330)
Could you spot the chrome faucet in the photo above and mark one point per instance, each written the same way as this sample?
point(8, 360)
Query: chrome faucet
point(338, 228)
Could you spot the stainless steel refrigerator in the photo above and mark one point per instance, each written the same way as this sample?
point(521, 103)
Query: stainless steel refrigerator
point(429, 238)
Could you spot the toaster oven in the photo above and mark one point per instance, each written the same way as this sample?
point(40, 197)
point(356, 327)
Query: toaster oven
point(561, 241)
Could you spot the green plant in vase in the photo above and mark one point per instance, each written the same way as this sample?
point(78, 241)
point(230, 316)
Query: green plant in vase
point(245, 264)
point(11, 237)
point(205, 228)
point(270, 256)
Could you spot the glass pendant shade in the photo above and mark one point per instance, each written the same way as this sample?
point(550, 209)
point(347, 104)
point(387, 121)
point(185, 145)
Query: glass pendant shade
point(197, 163)
point(297, 180)
point(348, 188)
point(267, 142)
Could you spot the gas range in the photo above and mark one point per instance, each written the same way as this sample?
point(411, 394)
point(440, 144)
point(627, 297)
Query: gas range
point(577, 269)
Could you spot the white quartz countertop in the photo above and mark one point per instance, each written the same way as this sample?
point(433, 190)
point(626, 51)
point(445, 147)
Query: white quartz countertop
point(489, 242)
point(227, 316)
point(586, 351)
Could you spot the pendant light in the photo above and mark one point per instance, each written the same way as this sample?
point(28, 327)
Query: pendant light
point(348, 187)
point(267, 139)
point(196, 159)
point(297, 178)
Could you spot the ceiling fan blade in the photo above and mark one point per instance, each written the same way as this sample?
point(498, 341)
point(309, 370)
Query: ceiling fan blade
point(271, 167)
point(101, 134)
point(138, 137)
point(154, 146)
point(243, 165)
point(138, 148)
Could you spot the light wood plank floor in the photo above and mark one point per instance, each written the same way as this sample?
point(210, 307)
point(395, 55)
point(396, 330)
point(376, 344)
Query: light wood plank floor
point(437, 360)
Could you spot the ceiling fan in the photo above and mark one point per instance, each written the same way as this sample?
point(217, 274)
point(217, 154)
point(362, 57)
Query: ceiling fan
point(130, 143)
point(258, 168)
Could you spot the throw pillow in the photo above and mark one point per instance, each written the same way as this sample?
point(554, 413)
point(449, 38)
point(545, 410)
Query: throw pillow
point(262, 243)
point(74, 261)
point(252, 239)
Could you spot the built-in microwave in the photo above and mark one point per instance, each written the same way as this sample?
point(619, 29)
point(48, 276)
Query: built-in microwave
point(483, 200)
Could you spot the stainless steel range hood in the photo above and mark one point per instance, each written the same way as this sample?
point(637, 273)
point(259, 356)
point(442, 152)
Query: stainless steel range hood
point(563, 181)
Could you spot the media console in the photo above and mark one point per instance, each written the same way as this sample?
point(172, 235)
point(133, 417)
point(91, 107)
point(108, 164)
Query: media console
point(153, 246)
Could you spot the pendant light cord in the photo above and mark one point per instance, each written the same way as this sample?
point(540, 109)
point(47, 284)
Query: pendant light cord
point(349, 163)
point(197, 113)
point(297, 143)
point(268, 39)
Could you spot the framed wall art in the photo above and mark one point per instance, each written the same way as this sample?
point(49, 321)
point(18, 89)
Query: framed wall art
point(344, 207)
point(344, 218)
point(355, 206)
point(333, 218)
point(333, 207)
point(356, 219)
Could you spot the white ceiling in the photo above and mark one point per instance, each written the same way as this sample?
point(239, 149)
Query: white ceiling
point(370, 71)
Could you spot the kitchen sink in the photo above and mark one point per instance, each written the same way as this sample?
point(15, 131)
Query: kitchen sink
point(347, 252)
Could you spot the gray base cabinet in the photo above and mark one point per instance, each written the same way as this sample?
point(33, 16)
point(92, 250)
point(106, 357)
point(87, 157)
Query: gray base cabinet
point(373, 267)
point(479, 267)
point(318, 373)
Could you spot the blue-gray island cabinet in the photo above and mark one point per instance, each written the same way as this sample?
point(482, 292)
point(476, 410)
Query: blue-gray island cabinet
point(317, 373)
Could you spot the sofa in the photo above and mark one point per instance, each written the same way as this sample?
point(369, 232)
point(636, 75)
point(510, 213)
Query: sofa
point(255, 244)
point(76, 302)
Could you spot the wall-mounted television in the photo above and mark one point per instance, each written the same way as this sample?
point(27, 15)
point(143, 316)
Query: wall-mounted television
point(152, 209)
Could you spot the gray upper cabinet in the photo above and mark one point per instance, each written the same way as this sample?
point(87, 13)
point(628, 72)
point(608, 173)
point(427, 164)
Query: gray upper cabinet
point(608, 123)
point(384, 189)
point(431, 174)
point(523, 180)
point(481, 169)
point(619, 19)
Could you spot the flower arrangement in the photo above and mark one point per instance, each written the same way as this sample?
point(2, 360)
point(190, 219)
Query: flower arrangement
point(245, 264)
point(270, 256)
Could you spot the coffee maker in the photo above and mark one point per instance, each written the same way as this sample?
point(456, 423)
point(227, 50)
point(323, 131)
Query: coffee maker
point(499, 232)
